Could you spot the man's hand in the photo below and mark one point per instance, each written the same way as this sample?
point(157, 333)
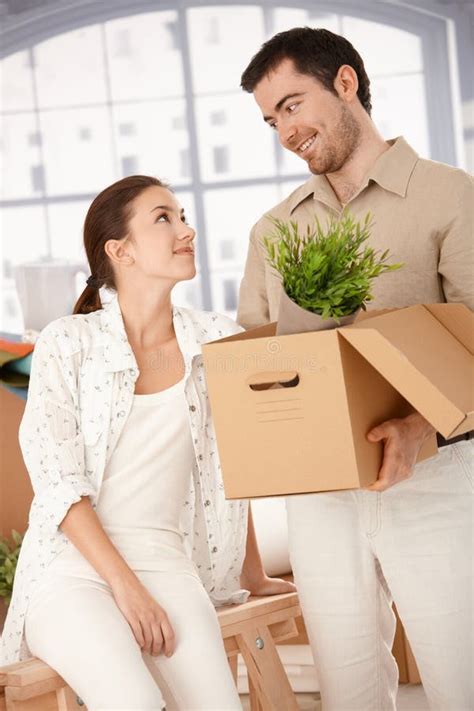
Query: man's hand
point(402, 439)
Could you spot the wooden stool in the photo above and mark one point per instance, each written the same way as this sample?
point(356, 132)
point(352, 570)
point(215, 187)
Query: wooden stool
point(33, 686)
point(251, 629)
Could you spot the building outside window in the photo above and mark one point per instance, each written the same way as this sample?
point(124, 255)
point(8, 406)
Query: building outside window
point(230, 294)
point(85, 134)
point(127, 129)
point(227, 249)
point(179, 123)
point(213, 36)
point(218, 118)
point(34, 139)
point(129, 165)
point(37, 178)
point(185, 163)
point(221, 159)
point(122, 43)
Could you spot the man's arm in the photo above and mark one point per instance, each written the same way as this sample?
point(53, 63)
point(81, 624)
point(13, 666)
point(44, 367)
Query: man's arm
point(404, 437)
point(253, 301)
point(456, 259)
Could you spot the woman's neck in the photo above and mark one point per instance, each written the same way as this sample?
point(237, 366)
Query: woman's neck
point(147, 317)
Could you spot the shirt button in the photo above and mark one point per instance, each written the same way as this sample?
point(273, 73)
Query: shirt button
point(207, 502)
point(192, 408)
point(214, 550)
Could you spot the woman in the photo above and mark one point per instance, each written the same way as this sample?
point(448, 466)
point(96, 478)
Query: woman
point(125, 549)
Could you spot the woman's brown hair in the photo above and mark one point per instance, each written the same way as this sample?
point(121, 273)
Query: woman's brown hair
point(108, 218)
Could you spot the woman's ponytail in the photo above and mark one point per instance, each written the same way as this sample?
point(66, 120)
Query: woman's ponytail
point(88, 301)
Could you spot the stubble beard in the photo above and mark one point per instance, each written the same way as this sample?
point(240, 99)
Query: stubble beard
point(342, 142)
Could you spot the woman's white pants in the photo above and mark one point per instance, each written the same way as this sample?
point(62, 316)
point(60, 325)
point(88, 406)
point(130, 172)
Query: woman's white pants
point(75, 626)
point(353, 551)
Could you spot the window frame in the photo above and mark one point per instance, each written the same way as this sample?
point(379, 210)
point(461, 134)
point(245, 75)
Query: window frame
point(24, 31)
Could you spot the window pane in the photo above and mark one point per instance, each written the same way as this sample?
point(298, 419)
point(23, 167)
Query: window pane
point(291, 164)
point(19, 156)
point(23, 235)
point(243, 138)
point(70, 68)
point(285, 18)
point(158, 147)
point(188, 293)
point(144, 56)
point(225, 291)
point(11, 317)
point(230, 294)
point(16, 82)
point(23, 239)
point(222, 42)
point(286, 188)
point(78, 150)
point(230, 215)
point(66, 221)
point(396, 101)
point(384, 49)
point(129, 165)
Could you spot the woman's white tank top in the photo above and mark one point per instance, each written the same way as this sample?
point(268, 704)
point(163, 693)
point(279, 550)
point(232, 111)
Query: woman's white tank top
point(146, 483)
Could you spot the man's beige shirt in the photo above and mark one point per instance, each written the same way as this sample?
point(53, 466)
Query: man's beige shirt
point(422, 212)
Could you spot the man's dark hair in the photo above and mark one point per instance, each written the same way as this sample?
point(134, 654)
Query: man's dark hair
point(316, 52)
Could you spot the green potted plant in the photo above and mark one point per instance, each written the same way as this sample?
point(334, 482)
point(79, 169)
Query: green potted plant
point(9, 552)
point(327, 275)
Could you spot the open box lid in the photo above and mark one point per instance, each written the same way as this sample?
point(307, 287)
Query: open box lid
point(427, 354)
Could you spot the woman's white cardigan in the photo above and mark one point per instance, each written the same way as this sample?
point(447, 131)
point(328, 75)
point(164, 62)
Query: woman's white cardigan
point(81, 390)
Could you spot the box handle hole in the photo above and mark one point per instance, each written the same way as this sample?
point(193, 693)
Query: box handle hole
point(266, 381)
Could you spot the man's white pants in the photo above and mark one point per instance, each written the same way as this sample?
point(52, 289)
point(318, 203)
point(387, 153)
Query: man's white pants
point(353, 551)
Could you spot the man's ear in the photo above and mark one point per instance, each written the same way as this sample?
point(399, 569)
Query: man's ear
point(119, 252)
point(346, 83)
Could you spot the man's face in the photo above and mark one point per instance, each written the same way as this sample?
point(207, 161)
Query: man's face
point(311, 121)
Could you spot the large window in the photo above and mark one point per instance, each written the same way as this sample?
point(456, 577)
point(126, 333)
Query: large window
point(158, 93)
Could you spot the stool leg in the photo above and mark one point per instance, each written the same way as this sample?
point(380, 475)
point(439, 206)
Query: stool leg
point(66, 699)
point(233, 662)
point(265, 670)
point(255, 704)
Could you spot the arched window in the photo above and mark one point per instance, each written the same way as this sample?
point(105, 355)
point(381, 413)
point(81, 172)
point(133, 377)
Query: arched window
point(97, 91)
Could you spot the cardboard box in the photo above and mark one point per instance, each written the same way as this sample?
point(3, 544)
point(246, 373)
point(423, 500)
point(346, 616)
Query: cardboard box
point(292, 412)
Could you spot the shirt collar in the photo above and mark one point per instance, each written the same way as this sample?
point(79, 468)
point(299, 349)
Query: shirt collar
point(392, 171)
point(118, 353)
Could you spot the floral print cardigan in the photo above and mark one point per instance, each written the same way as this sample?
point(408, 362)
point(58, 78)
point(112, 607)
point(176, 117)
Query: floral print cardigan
point(81, 390)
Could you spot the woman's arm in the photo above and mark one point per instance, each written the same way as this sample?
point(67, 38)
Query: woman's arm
point(52, 444)
point(253, 576)
point(147, 619)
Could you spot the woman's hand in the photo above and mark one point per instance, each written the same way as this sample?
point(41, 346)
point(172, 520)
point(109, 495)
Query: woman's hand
point(149, 622)
point(264, 585)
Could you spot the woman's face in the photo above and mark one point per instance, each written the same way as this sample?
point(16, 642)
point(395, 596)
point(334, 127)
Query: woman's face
point(160, 241)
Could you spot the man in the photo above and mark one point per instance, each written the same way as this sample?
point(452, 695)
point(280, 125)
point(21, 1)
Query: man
point(408, 537)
